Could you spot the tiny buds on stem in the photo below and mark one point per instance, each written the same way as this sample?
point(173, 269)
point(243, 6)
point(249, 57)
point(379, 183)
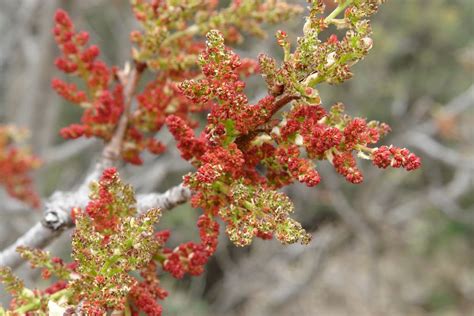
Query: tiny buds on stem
point(282, 38)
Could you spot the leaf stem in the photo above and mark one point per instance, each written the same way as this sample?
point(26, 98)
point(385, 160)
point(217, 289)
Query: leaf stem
point(341, 7)
point(192, 30)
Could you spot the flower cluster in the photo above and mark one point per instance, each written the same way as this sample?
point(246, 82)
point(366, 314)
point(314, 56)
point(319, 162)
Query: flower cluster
point(262, 213)
point(191, 257)
point(220, 153)
point(167, 42)
point(247, 151)
point(328, 135)
point(315, 61)
point(16, 164)
point(166, 46)
point(102, 107)
point(109, 243)
point(395, 157)
point(111, 201)
point(103, 97)
point(104, 261)
point(243, 156)
point(25, 300)
point(144, 294)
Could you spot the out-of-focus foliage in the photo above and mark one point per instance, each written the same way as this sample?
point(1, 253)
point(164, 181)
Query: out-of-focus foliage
point(419, 46)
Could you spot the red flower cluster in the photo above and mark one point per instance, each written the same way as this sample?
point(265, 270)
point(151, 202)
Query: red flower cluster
point(221, 160)
point(395, 157)
point(189, 146)
point(191, 257)
point(77, 57)
point(16, 164)
point(233, 116)
point(102, 107)
point(240, 139)
point(357, 132)
point(103, 103)
point(299, 168)
point(307, 121)
point(145, 293)
point(332, 136)
point(345, 164)
point(109, 204)
point(227, 154)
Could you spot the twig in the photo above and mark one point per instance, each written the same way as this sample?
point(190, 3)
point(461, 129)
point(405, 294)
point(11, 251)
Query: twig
point(129, 79)
point(57, 218)
point(438, 151)
point(355, 220)
point(67, 150)
point(455, 107)
point(166, 201)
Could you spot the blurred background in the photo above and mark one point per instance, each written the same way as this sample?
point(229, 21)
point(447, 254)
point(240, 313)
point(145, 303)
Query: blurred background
point(398, 244)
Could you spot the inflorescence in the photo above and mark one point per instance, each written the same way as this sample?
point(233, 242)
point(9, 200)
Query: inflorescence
point(245, 153)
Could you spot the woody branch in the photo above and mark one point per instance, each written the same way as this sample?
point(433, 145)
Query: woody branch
point(56, 216)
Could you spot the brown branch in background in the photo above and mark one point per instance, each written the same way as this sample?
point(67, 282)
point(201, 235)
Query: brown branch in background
point(129, 79)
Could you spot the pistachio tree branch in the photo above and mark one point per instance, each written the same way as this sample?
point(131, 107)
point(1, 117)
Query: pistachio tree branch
point(165, 201)
point(57, 218)
point(67, 150)
point(129, 79)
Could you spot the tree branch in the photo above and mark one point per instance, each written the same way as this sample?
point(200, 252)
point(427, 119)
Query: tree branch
point(166, 201)
point(455, 107)
point(438, 151)
point(57, 218)
point(129, 79)
point(67, 150)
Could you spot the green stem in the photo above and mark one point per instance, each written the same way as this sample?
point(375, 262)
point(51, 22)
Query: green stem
point(221, 187)
point(127, 311)
point(341, 7)
point(159, 257)
point(28, 307)
point(249, 206)
point(36, 303)
point(112, 260)
point(192, 30)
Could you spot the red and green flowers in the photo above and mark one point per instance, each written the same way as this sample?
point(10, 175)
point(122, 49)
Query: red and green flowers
point(246, 152)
